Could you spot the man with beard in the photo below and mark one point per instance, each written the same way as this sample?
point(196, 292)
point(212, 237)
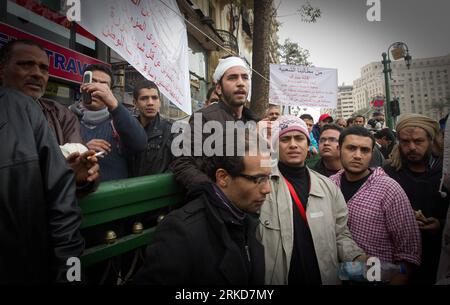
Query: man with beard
point(380, 218)
point(419, 173)
point(232, 77)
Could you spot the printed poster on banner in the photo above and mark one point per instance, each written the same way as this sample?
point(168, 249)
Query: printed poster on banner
point(151, 36)
point(303, 86)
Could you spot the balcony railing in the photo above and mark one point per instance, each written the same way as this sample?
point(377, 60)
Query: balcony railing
point(230, 42)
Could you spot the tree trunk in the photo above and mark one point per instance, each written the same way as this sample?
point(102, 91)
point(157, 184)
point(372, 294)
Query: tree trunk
point(260, 60)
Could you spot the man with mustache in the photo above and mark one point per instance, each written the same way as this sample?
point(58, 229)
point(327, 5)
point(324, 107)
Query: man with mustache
point(419, 173)
point(24, 66)
point(273, 112)
point(157, 157)
point(232, 78)
point(303, 224)
point(380, 217)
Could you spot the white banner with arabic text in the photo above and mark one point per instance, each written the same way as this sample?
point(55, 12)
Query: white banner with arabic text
point(151, 36)
point(303, 86)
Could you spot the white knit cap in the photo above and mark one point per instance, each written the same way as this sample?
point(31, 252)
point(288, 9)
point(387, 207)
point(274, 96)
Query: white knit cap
point(227, 63)
point(287, 123)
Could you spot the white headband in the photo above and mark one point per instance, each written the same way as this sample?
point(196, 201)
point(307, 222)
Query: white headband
point(227, 63)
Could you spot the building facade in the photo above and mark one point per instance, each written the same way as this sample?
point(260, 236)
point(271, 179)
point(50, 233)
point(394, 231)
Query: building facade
point(216, 28)
point(423, 89)
point(345, 104)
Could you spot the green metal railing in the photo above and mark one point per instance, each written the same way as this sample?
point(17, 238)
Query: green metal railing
point(119, 199)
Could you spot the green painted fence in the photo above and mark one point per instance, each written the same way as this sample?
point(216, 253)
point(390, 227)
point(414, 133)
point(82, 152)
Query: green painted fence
point(119, 199)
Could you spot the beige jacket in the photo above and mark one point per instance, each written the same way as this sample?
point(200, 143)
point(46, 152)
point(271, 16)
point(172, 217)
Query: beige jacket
point(327, 218)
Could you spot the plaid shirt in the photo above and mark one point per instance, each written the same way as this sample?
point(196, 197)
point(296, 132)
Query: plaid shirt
point(381, 219)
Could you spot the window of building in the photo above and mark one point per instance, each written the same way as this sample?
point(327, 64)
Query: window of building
point(198, 72)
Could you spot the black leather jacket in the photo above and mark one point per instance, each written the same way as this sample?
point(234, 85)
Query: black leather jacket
point(39, 216)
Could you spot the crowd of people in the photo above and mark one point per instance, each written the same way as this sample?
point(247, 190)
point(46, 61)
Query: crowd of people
point(250, 217)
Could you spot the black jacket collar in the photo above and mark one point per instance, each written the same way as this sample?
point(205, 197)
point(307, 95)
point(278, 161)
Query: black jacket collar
point(247, 114)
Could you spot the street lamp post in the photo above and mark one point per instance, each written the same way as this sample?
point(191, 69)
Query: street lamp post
point(399, 49)
point(387, 71)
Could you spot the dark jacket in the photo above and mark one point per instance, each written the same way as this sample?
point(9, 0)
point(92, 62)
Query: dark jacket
point(158, 155)
point(187, 169)
point(316, 132)
point(126, 137)
point(377, 157)
point(322, 169)
point(202, 244)
point(66, 127)
point(39, 215)
point(62, 121)
point(422, 191)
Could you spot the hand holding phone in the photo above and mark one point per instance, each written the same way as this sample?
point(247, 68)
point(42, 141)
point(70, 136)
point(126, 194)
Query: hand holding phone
point(87, 78)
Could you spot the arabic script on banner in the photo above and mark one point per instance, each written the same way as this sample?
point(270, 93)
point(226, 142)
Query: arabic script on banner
point(150, 36)
point(303, 86)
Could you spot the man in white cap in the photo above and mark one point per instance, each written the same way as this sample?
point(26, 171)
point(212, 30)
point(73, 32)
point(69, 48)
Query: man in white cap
point(304, 219)
point(232, 78)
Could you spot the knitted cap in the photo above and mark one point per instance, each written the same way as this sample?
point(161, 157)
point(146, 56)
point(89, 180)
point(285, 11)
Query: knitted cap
point(287, 123)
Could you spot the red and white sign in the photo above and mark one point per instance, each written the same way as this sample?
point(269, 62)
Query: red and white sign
point(64, 63)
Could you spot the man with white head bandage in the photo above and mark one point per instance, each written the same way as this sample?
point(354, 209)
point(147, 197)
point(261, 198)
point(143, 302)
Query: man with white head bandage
point(232, 78)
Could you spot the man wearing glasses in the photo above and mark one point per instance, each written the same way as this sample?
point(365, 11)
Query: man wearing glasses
point(330, 160)
point(211, 240)
point(304, 220)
